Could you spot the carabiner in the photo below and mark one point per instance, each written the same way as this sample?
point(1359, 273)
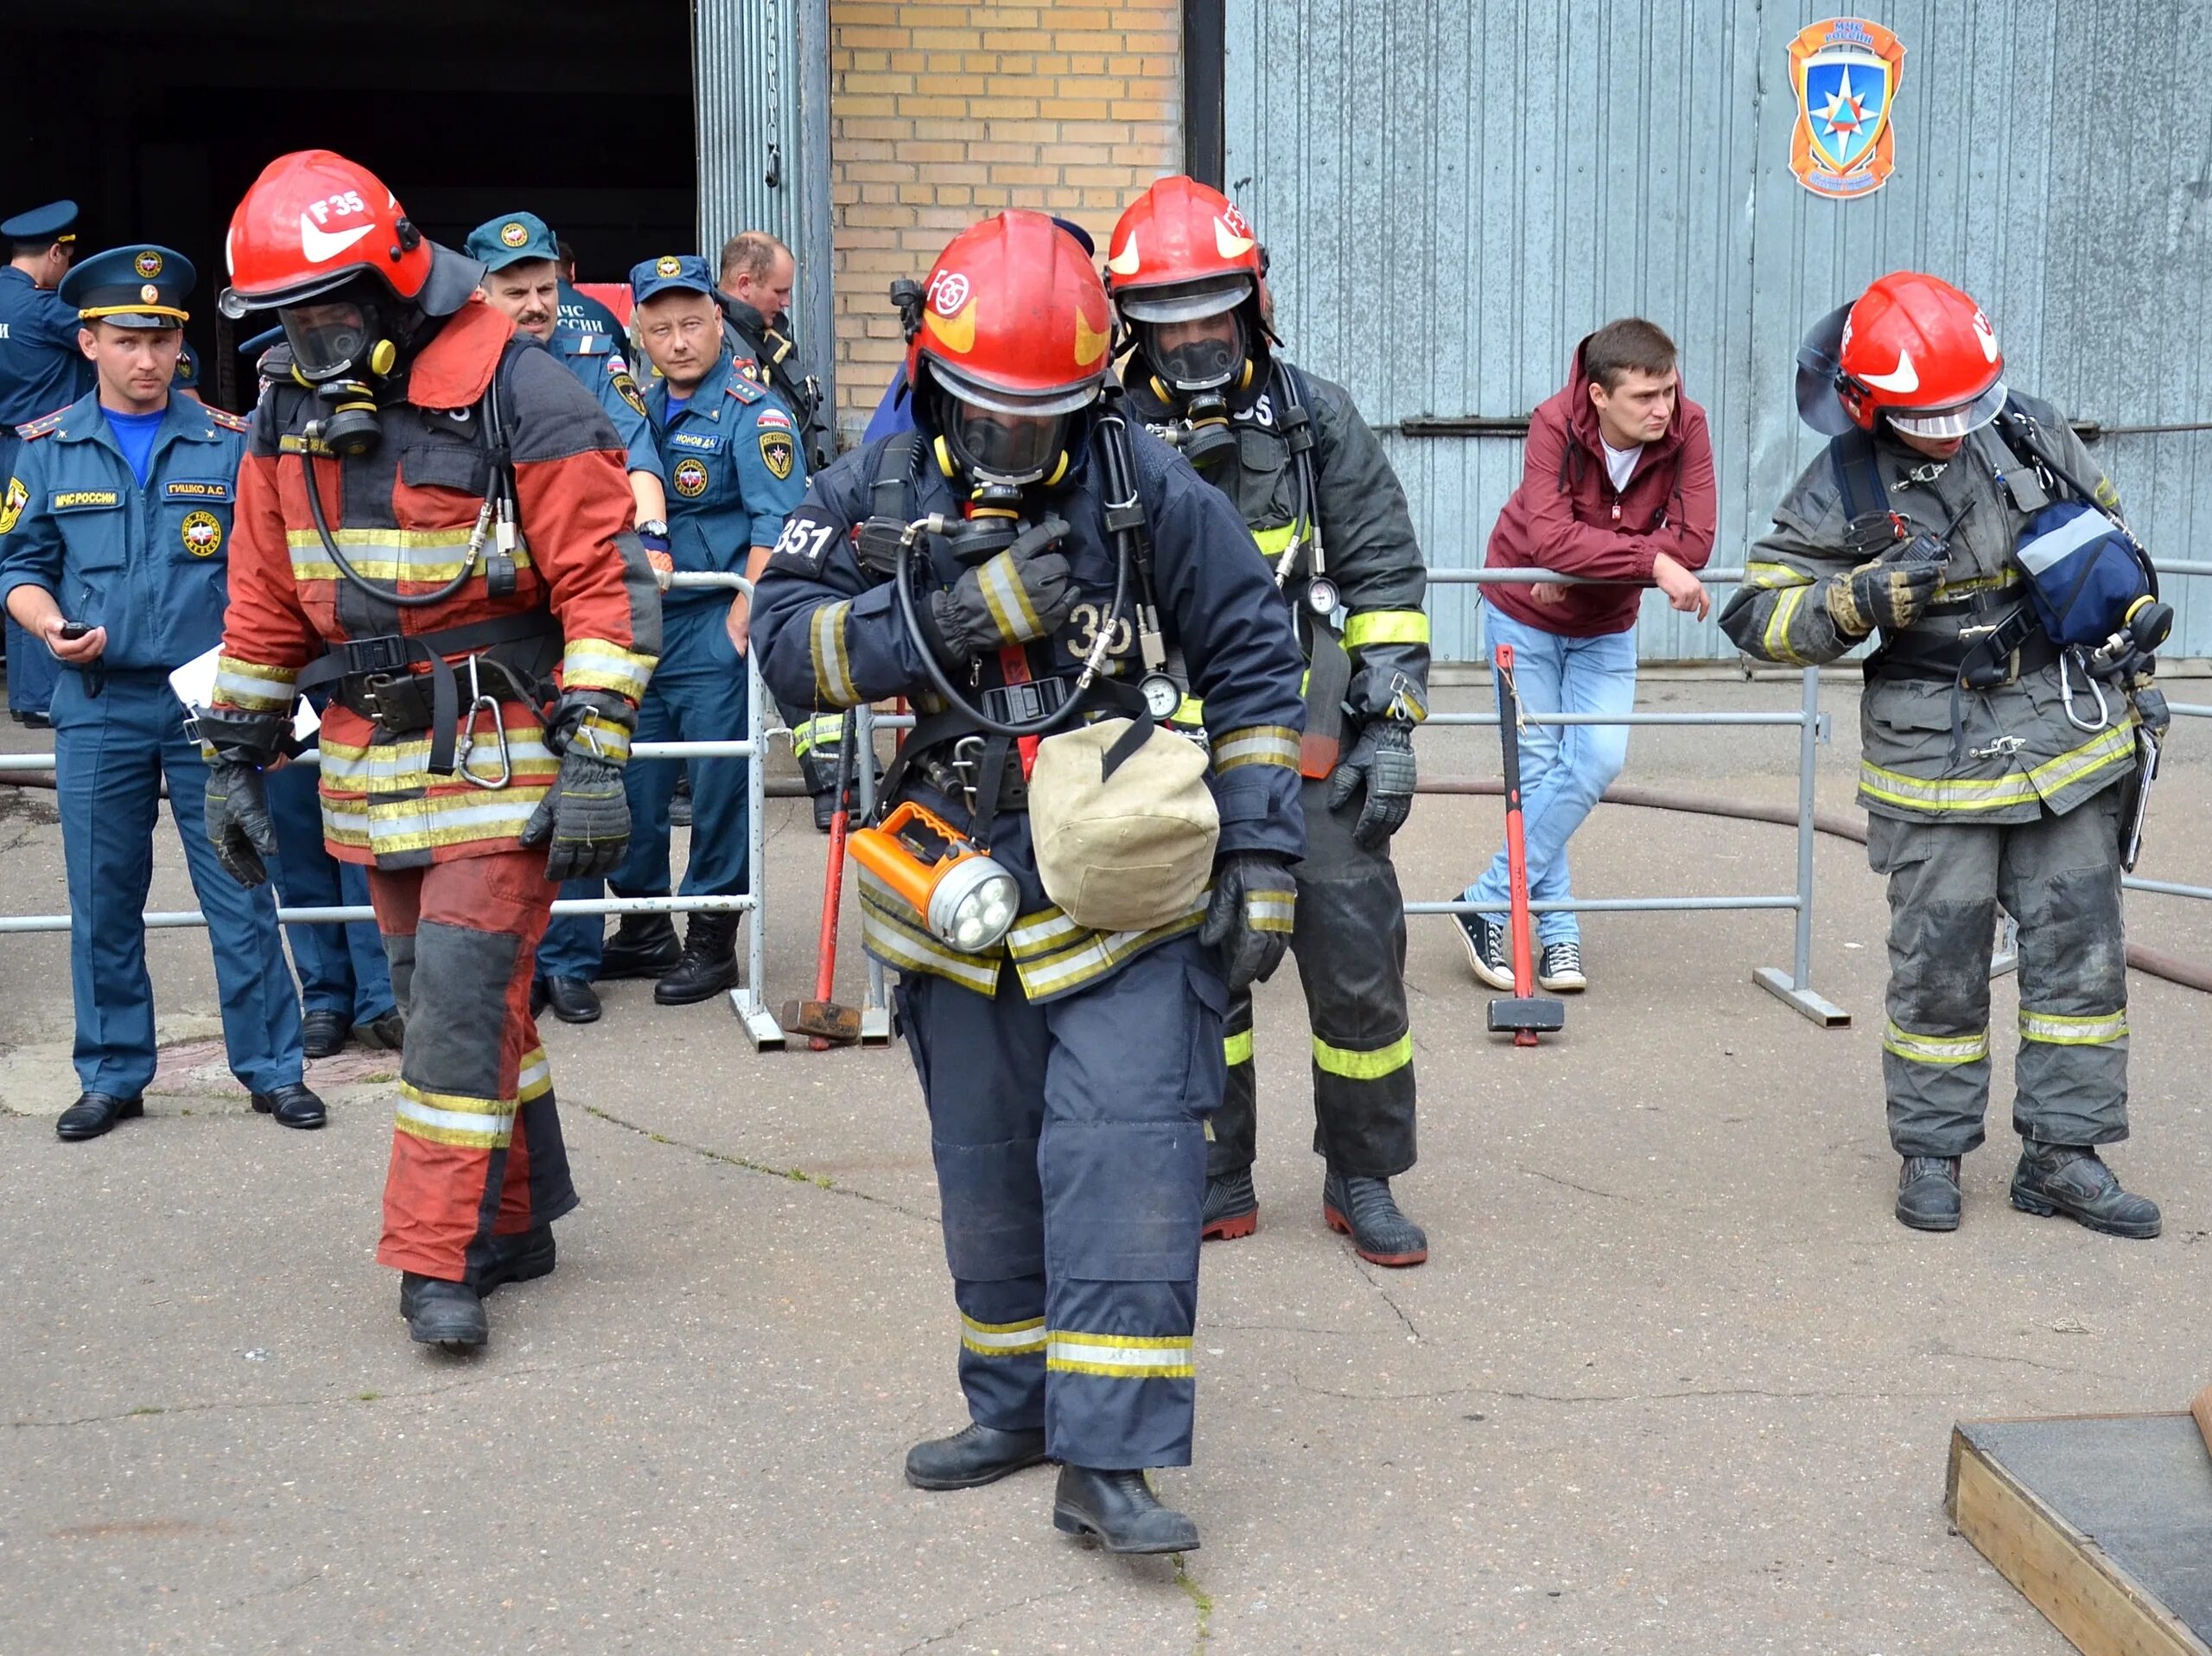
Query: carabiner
point(2066, 691)
point(480, 703)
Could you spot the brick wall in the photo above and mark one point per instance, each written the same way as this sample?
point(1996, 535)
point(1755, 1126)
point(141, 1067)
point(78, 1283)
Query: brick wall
point(942, 113)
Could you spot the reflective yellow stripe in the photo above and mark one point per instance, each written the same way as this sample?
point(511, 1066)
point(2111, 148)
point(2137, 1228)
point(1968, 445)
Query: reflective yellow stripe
point(253, 688)
point(2057, 1030)
point(1364, 1065)
point(1237, 1048)
point(1385, 626)
point(895, 934)
point(595, 663)
point(1274, 542)
point(1092, 955)
point(596, 734)
point(1117, 1356)
point(1775, 642)
point(1773, 577)
point(454, 1118)
point(1271, 911)
point(418, 555)
point(833, 668)
point(1191, 711)
point(1255, 744)
point(1935, 1050)
point(1009, 604)
point(824, 730)
point(1997, 582)
point(1966, 794)
point(535, 1078)
point(1002, 1339)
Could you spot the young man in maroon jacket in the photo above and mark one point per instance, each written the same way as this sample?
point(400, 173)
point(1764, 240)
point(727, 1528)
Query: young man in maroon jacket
point(1617, 485)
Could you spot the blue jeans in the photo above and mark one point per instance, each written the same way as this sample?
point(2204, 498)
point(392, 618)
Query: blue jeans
point(1564, 767)
point(342, 968)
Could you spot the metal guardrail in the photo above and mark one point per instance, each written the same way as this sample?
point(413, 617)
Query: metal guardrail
point(745, 999)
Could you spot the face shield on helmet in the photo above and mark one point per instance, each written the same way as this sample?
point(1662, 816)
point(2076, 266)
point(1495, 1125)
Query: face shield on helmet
point(1192, 335)
point(1941, 424)
point(329, 335)
point(998, 436)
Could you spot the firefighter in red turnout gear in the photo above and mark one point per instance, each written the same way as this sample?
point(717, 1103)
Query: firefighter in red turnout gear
point(433, 525)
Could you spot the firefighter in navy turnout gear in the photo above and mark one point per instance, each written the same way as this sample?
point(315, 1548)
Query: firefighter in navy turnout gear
point(1329, 518)
point(1027, 565)
point(432, 523)
point(1997, 759)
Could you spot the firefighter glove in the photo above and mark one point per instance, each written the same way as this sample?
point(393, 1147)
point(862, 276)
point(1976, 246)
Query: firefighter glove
point(1009, 599)
point(597, 721)
point(1888, 594)
point(238, 819)
point(1249, 916)
point(584, 821)
point(1382, 760)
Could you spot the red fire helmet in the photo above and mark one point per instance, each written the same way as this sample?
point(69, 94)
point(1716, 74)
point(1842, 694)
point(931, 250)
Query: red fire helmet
point(1181, 251)
point(1014, 319)
point(310, 223)
point(1917, 350)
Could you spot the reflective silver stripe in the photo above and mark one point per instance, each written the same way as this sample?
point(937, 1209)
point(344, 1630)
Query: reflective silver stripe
point(257, 689)
point(1771, 577)
point(1002, 1339)
point(1935, 1050)
point(1255, 744)
point(1123, 1357)
point(536, 1078)
point(1007, 602)
point(595, 664)
point(2039, 554)
point(2059, 1030)
point(891, 930)
point(1271, 911)
point(833, 669)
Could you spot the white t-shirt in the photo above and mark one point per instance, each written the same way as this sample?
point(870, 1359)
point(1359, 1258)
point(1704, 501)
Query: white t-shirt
point(1620, 463)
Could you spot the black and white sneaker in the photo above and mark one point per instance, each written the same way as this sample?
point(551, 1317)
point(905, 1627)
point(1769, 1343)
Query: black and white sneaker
point(1560, 970)
point(1484, 936)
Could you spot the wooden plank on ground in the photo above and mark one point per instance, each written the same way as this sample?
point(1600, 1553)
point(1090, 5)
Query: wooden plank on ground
point(2086, 1592)
point(2202, 1409)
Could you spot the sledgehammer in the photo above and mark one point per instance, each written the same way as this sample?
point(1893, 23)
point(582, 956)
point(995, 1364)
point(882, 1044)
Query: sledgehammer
point(823, 1020)
point(1526, 1012)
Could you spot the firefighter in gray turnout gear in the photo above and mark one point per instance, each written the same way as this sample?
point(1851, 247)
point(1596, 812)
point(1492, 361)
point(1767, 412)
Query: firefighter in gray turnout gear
point(1998, 761)
point(1330, 520)
point(1029, 566)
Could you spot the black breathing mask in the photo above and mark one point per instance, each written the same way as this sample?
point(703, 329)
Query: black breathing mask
point(339, 343)
point(1196, 376)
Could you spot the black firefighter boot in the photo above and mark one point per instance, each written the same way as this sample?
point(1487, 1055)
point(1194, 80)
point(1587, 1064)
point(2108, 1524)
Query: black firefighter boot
point(818, 770)
point(1232, 1206)
point(1365, 1211)
point(971, 1457)
point(1928, 1193)
point(2069, 1179)
point(643, 945)
point(1119, 1509)
point(709, 962)
point(439, 1313)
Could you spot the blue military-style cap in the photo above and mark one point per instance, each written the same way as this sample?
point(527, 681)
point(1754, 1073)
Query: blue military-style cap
point(511, 239)
point(43, 225)
point(138, 286)
point(670, 273)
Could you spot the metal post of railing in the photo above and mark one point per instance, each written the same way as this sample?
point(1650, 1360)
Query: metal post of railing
point(1796, 990)
point(875, 1009)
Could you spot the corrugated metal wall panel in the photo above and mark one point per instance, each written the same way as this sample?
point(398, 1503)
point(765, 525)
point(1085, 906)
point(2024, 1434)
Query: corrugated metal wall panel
point(1454, 191)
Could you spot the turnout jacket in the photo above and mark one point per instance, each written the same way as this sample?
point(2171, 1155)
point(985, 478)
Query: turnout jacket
point(1367, 534)
point(404, 514)
point(2018, 752)
point(830, 635)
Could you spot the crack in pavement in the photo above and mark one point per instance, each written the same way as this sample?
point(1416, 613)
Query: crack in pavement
point(1374, 1283)
point(276, 1592)
point(459, 1385)
point(790, 1176)
point(1201, 1600)
point(1587, 1190)
point(1609, 1397)
point(982, 1616)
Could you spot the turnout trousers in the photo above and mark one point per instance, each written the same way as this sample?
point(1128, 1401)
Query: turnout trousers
point(476, 1149)
point(1350, 938)
point(2059, 878)
point(116, 735)
point(342, 967)
point(697, 694)
point(1071, 1162)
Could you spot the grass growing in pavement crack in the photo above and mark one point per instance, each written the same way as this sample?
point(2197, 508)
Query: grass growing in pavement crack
point(797, 1176)
point(1200, 1599)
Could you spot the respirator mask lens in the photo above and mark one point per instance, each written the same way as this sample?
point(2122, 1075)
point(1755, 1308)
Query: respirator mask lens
point(327, 338)
point(1005, 447)
point(1202, 356)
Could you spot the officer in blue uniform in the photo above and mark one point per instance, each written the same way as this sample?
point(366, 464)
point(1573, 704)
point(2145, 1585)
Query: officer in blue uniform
point(580, 312)
point(113, 532)
point(1069, 1071)
point(344, 976)
point(41, 370)
point(734, 472)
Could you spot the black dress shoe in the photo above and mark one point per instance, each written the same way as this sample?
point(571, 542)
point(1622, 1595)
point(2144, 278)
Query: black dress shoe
point(95, 1113)
point(643, 945)
point(571, 998)
point(522, 1257)
point(322, 1035)
point(2070, 1179)
point(972, 1457)
point(709, 962)
point(293, 1106)
point(1364, 1210)
point(35, 720)
point(441, 1313)
point(1928, 1193)
point(386, 1033)
point(1119, 1509)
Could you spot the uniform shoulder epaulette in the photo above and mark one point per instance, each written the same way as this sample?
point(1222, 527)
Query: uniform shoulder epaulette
point(29, 431)
point(229, 421)
point(744, 390)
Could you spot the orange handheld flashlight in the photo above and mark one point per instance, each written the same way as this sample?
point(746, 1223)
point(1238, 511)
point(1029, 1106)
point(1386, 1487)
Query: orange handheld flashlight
point(967, 899)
